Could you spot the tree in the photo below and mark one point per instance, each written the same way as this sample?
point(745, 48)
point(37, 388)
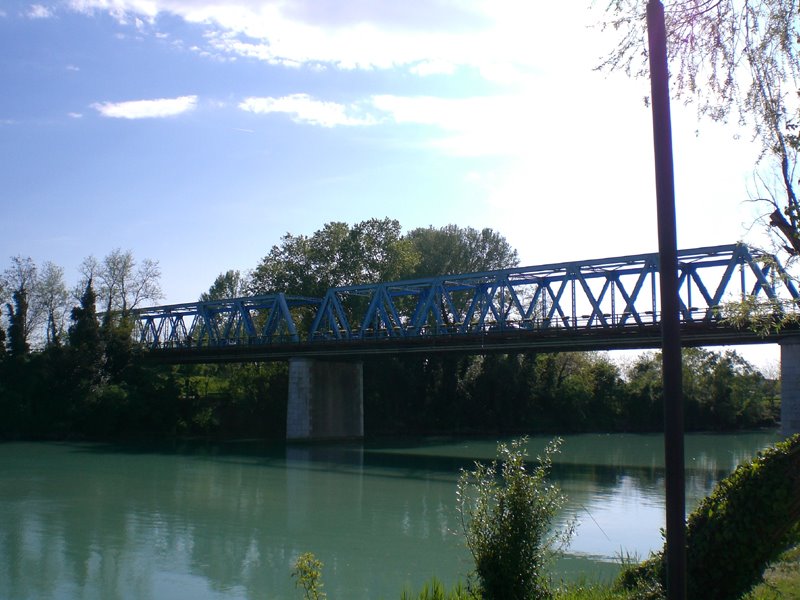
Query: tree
point(22, 277)
point(336, 255)
point(51, 295)
point(440, 251)
point(85, 339)
point(230, 284)
point(2, 341)
point(735, 58)
point(122, 285)
point(18, 346)
point(453, 249)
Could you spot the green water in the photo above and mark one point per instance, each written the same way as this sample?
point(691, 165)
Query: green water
point(227, 521)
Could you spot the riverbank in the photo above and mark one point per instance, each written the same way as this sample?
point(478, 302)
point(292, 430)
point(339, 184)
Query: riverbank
point(781, 582)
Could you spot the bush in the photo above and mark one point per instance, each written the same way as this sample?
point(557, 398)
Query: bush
point(506, 521)
point(750, 519)
point(308, 571)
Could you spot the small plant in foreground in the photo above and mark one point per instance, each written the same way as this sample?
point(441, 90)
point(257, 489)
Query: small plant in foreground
point(506, 511)
point(308, 571)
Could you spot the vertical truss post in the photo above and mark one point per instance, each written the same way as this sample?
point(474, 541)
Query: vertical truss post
point(670, 302)
point(574, 306)
point(613, 302)
point(743, 282)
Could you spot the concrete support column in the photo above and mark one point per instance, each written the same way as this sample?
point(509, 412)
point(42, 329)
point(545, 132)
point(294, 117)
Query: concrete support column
point(790, 386)
point(326, 400)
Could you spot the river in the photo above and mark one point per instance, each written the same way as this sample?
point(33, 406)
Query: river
point(201, 521)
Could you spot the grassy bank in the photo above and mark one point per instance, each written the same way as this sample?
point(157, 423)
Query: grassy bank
point(781, 582)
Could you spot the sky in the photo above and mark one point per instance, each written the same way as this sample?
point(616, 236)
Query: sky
point(198, 132)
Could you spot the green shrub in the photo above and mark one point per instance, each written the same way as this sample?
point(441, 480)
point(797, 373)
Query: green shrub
point(506, 512)
point(752, 517)
point(308, 571)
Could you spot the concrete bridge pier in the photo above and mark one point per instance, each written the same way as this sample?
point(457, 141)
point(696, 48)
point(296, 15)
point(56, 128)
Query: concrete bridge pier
point(326, 400)
point(790, 386)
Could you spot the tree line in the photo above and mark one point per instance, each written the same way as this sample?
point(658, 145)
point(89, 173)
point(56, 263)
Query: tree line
point(68, 366)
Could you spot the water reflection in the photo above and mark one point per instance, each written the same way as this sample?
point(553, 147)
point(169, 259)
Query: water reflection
point(228, 521)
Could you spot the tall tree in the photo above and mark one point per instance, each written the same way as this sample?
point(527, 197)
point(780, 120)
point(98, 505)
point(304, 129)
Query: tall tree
point(454, 249)
point(18, 345)
point(735, 58)
point(336, 255)
point(22, 276)
point(51, 295)
point(85, 338)
point(124, 284)
point(230, 284)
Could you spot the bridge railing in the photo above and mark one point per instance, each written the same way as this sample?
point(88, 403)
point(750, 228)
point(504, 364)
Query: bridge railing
point(252, 320)
point(611, 294)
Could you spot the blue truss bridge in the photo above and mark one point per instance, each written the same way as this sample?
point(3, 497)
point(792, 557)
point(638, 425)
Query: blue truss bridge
point(609, 303)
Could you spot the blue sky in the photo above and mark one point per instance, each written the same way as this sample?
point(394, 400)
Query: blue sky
point(197, 132)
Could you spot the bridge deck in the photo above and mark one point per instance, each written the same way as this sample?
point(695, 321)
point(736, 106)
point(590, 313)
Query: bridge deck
point(648, 338)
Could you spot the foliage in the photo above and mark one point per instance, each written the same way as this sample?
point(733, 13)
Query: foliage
point(435, 590)
point(721, 391)
point(507, 522)
point(122, 283)
point(752, 516)
point(22, 276)
point(84, 337)
point(336, 255)
point(308, 571)
point(18, 346)
point(763, 317)
point(453, 249)
point(731, 57)
point(2, 340)
point(51, 295)
point(62, 392)
point(230, 284)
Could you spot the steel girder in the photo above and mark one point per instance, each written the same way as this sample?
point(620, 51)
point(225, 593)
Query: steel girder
point(236, 321)
point(610, 294)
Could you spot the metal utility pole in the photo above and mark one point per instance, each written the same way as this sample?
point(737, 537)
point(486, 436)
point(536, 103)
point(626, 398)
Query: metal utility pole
point(670, 319)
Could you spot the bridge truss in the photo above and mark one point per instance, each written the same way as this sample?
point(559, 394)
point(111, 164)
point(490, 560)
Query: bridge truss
point(600, 303)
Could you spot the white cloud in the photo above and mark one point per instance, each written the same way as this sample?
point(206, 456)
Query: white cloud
point(492, 125)
point(304, 109)
point(146, 109)
point(433, 67)
point(502, 39)
point(38, 11)
point(75, 115)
